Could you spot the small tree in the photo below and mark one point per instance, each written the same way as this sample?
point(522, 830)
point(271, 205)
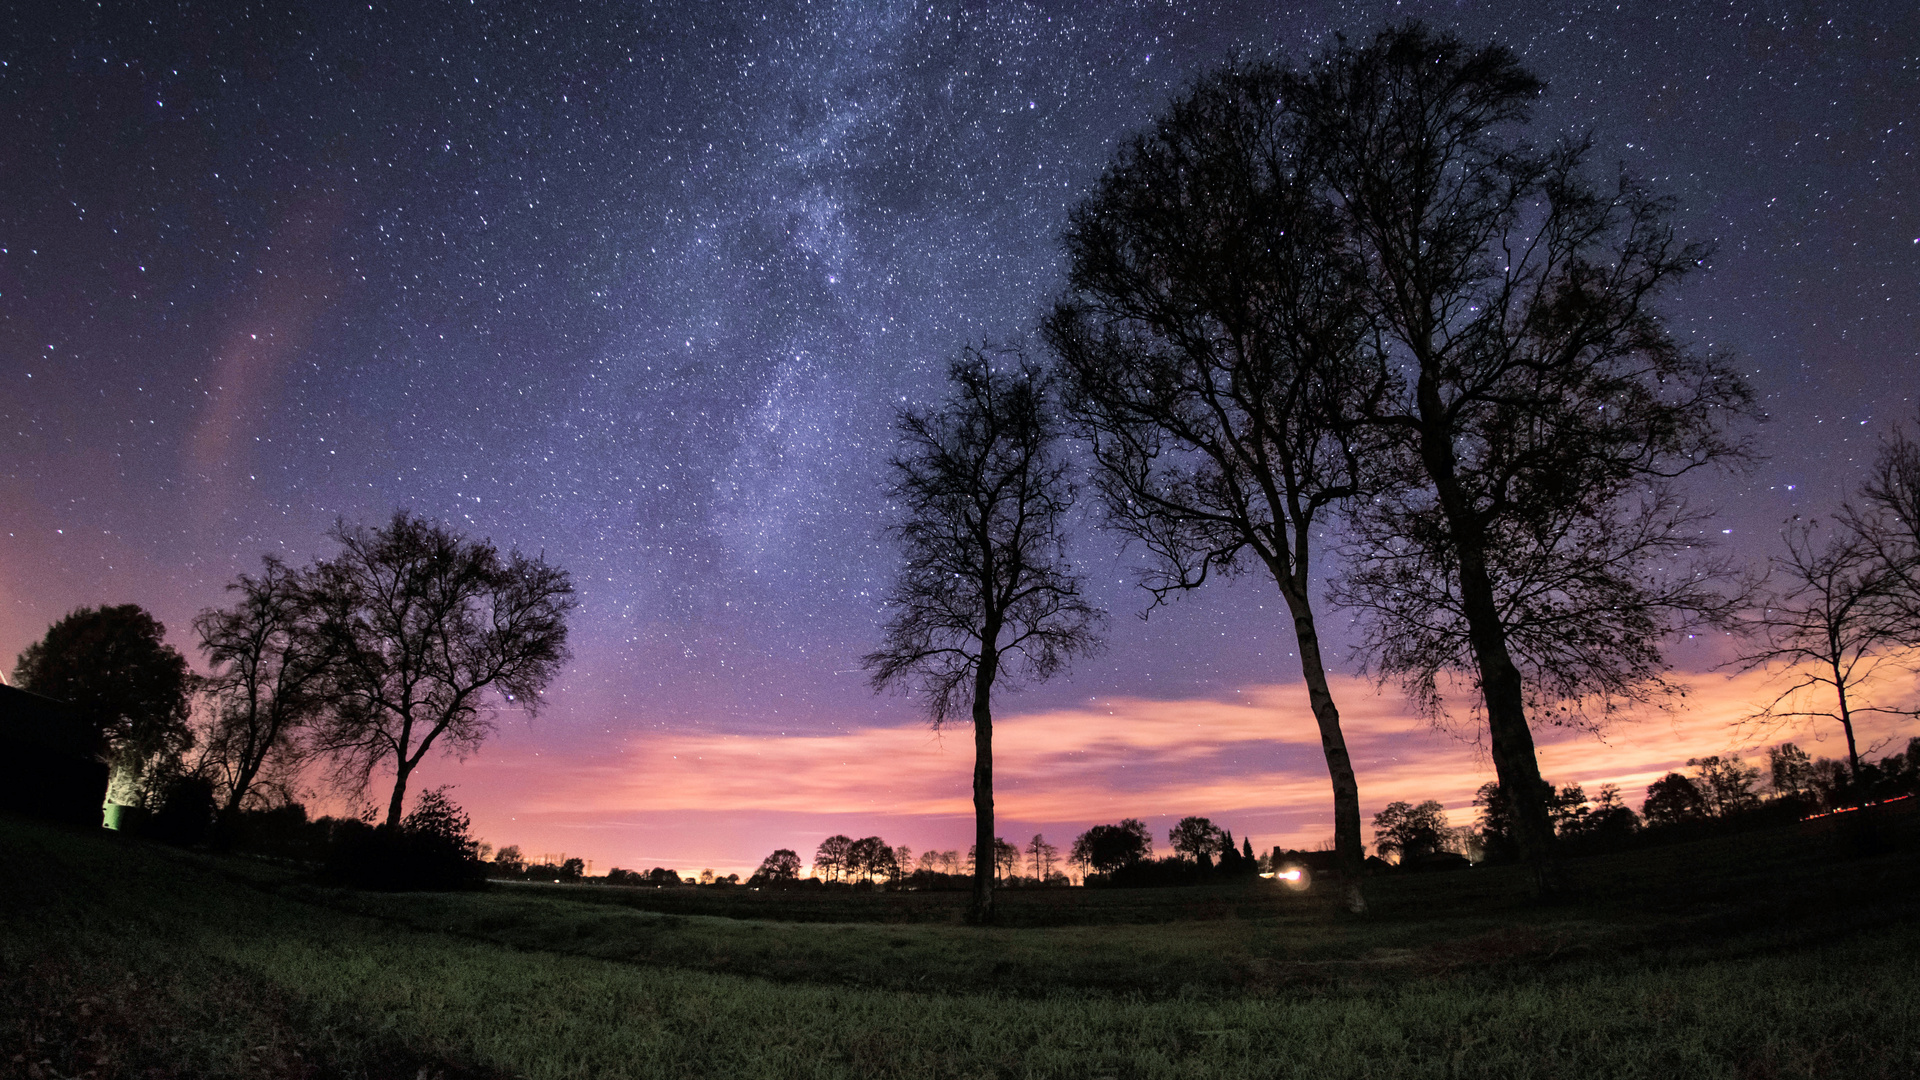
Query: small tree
point(1042, 857)
point(986, 596)
point(781, 867)
point(114, 667)
point(1831, 625)
point(268, 662)
point(1106, 848)
point(1672, 800)
point(1411, 832)
point(427, 632)
point(1790, 771)
point(1196, 838)
point(832, 860)
point(1725, 784)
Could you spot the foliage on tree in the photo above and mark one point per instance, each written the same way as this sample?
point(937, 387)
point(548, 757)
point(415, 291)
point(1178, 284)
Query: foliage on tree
point(780, 867)
point(1725, 784)
point(114, 667)
point(1789, 770)
point(1537, 544)
point(1197, 839)
point(1214, 339)
point(871, 858)
point(1410, 832)
point(509, 860)
point(832, 860)
point(1672, 800)
point(428, 633)
point(1107, 848)
point(986, 597)
point(268, 668)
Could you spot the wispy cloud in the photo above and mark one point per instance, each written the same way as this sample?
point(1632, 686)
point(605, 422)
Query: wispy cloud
point(1251, 760)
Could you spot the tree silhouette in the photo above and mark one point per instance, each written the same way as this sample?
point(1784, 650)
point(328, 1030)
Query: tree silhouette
point(1886, 521)
point(268, 662)
point(1537, 544)
point(426, 630)
point(1196, 838)
point(832, 859)
point(1831, 623)
point(1409, 831)
point(986, 596)
point(114, 667)
point(781, 866)
point(1106, 848)
point(1214, 340)
point(1671, 800)
point(1041, 857)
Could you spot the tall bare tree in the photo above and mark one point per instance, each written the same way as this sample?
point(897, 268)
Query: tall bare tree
point(428, 633)
point(268, 660)
point(986, 598)
point(1538, 545)
point(1214, 340)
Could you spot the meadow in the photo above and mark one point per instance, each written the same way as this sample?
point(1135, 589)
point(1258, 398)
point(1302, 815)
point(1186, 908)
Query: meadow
point(1792, 952)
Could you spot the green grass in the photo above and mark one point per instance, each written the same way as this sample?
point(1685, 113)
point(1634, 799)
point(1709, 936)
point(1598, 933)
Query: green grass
point(1790, 954)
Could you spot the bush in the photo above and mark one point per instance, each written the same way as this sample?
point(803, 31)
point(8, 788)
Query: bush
point(182, 813)
point(431, 850)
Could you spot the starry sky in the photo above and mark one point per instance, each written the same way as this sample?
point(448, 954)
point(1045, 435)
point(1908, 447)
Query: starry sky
point(640, 285)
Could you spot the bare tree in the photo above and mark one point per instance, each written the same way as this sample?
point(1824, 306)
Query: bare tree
point(1215, 344)
point(986, 597)
point(427, 633)
point(1829, 626)
point(1886, 520)
point(1042, 857)
point(832, 859)
point(268, 662)
point(1537, 544)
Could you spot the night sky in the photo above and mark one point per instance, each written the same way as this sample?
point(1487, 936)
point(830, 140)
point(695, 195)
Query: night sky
point(640, 286)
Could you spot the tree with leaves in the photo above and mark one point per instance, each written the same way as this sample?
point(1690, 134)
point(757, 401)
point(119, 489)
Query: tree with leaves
point(268, 665)
point(782, 866)
point(986, 596)
point(1672, 800)
point(427, 633)
point(1197, 838)
point(1106, 848)
point(113, 666)
point(1409, 832)
point(832, 860)
point(1215, 344)
point(1536, 542)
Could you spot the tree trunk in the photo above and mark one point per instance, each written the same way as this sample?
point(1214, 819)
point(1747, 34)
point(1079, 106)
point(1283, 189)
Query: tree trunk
point(985, 856)
point(398, 803)
point(1346, 788)
point(1846, 722)
point(1514, 761)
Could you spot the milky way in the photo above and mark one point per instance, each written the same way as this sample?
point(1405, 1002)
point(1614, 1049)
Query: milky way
point(641, 285)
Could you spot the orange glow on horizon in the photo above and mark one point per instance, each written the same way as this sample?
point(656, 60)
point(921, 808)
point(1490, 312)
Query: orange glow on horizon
point(1251, 762)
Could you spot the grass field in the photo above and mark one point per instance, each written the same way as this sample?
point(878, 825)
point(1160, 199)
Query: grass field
point(1790, 953)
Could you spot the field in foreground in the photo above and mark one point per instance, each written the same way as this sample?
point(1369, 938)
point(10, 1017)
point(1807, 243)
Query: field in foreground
point(1791, 953)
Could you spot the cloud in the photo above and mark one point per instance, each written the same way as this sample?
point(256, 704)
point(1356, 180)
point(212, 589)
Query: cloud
point(1250, 760)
